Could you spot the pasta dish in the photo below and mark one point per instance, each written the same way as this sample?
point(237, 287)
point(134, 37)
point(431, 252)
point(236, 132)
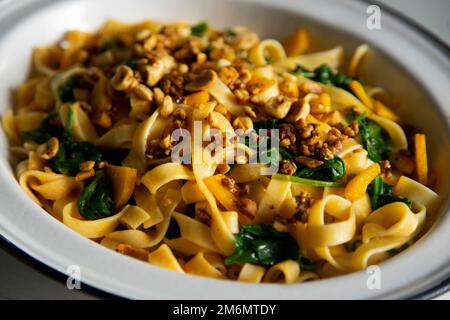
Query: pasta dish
point(216, 153)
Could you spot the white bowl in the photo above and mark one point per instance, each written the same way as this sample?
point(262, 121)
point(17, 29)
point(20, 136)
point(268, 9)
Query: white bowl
point(412, 66)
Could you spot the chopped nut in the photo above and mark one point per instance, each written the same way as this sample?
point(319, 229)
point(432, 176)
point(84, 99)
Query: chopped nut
point(249, 111)
point(83, 175)
point(288, 167)
point(87, 165)
point(385, 166)
point(247, 207)
point(299, 110)
point(278, 107)
point(228, 75)
point(203, 81)
point(49, 149)
point(242, 96)
point(158, 94)
point(289, 88)
point(288, 136)
point(166, 108)
point(308, 162)
point(123, 79)
point(101, 164)
point(352, 130)
point(154, 73)
point(143, 92)
point(230, 184)
point(304, 202)
point(150, 43)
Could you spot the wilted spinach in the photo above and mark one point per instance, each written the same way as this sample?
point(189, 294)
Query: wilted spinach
point(374, 138)
point(381, 194)
point(199, 29)
point(72, 153)
point(262, 244)
point(45, 131)
point(96, 201)
point(331, 170)
point(65, 90)
point(325, 75)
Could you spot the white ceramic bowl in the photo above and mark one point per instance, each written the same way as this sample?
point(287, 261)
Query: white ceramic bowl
point(412, 66)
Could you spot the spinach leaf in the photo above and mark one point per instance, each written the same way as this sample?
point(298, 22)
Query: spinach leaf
point(300, 71)
point(45, 131)
point(325, 75)
point(72, 153)
point(331, 170)
point(65, 90)
point(199, 29)
point(309, 182)
point(262, 244)
point(381, 194)
point(96, 201)
point(374, 138)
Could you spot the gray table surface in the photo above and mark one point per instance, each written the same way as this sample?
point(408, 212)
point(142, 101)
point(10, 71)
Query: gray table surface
point(21, 278)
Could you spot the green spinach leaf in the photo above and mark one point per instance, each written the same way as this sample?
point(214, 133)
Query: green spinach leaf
point(381, 194)
point(96, 201)
point(374, 138)
point(200, 29)
point(72, 153)
point(325, 75)
point(331, 170)
point(65, 90)
point(45, 131)
point(262, 244)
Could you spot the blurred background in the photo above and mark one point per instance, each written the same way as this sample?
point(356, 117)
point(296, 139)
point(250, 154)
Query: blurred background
point(23, 278)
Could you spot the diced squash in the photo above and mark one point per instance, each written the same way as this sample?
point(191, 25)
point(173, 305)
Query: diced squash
point(421, 158)
point(297, 43)
point(197, 97)
point(357, 187)
point(359, 91)
point(123, 181)
point(384, 111)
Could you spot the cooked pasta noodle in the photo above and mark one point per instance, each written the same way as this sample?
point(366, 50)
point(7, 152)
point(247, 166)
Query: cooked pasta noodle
point(143, 137)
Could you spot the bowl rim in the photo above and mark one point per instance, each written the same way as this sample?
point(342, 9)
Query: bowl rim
point(14, 7)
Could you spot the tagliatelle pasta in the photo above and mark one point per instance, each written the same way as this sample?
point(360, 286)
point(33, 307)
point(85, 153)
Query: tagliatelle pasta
point(214, 153)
